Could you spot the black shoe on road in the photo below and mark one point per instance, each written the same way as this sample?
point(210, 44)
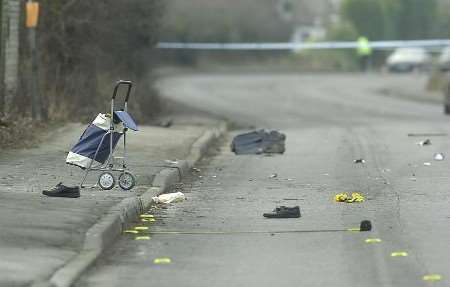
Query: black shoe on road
point(284, 212)
point(61, 190)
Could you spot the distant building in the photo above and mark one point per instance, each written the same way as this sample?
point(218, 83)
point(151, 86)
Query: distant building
point(309, 19)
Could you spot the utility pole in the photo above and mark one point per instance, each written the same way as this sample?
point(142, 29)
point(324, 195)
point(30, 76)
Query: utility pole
point(32, 21)
point(3, 27)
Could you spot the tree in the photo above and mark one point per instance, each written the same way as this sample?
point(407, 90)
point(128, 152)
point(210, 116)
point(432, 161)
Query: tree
point(366, 16)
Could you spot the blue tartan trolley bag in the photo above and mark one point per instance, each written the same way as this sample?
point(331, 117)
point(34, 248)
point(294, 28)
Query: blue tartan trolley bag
point(95, 148)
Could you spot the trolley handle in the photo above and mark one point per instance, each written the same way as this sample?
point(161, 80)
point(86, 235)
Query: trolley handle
point(126, 83)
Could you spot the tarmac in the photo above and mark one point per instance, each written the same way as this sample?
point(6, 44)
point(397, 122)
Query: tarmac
point(49, 241)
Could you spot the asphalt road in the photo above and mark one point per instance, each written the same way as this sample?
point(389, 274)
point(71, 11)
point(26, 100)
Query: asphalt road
point(329, 120)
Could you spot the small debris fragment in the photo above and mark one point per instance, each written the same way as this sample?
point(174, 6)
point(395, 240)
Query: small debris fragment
point(171, 161)
point(439, 156)
point(273, 175)
point(427, 163)
point(425, 142)
point(365, 225)
point(169, 197)
point(196, 169)
point(131, 232)
point(165, 123)
point(359, 160)
point(147, 216)
point(427, 134)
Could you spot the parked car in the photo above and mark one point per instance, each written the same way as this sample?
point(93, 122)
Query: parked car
point(408, 60)
point(444, 60)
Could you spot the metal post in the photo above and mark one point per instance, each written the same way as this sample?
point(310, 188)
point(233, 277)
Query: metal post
point(35, 91)
point(3, 33)
point(32, 19)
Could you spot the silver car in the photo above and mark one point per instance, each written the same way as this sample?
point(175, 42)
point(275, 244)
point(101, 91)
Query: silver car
point(408, 60)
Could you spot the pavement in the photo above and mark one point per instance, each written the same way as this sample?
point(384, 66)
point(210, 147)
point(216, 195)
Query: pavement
point(40, 235)
point(218, 236)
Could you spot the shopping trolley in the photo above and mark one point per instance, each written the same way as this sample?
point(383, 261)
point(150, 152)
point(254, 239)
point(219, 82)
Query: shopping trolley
point(94, 151)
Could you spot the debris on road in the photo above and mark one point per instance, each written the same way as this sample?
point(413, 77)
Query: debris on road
point(359, 160)
point(365, 225)
point(425, 142)
point(344, 197)
point(196, 169)
point(284, 212)
point(439, 156)
point(172, 162)
point(169, 197)
point(427, 163)
point(165, 123)
point(273, 175)
point(427, 134)
point(258, 142)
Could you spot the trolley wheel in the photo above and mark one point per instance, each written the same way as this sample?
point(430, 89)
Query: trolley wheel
point(106, 181)
point(126, 181)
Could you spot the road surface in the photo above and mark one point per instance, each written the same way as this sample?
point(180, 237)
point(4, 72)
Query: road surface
point(329, 120)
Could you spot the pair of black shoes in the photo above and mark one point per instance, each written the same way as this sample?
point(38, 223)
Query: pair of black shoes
point(61, 190)
point(284, 212)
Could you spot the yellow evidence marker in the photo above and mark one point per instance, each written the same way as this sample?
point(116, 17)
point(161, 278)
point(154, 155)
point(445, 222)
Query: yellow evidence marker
point(399, 254)
point(432, 277)
point(142, 238)
point(163, 260)
point(141, 228)
point(148, 220)
point(373, 240)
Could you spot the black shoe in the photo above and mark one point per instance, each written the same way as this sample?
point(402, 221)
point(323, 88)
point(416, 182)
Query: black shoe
point(284, 212)
point(61, 190)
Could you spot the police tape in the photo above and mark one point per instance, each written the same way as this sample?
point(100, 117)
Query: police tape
point(293, 46)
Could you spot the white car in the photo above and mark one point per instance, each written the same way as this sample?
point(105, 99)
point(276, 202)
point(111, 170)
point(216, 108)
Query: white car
point(408, 60)
point(444, 60)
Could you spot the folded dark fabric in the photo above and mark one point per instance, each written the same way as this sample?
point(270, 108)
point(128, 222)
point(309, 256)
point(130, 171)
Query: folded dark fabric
point(258, 142)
